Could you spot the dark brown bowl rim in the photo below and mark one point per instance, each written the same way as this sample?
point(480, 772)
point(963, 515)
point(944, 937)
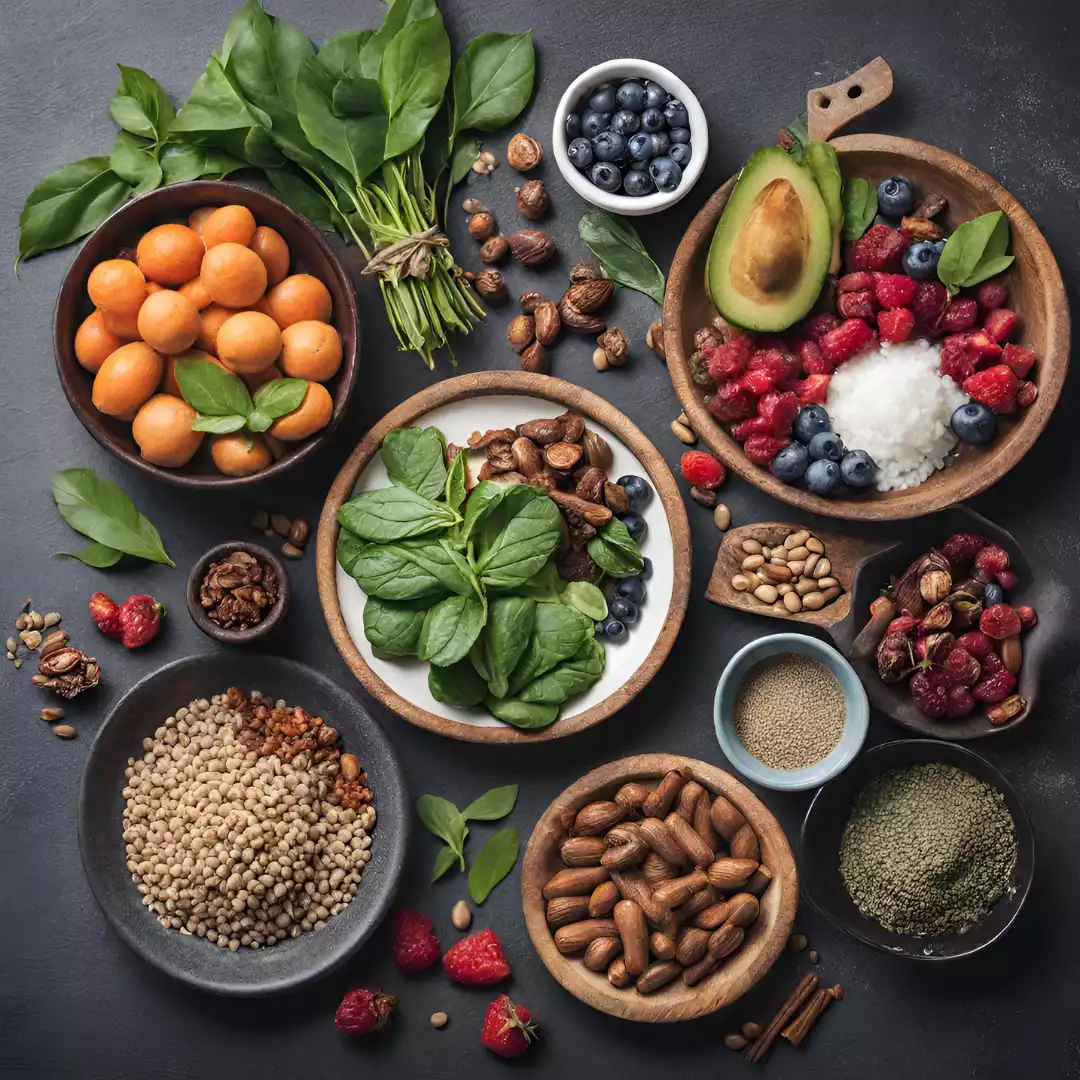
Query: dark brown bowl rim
point(261, 628)
point(63, 350)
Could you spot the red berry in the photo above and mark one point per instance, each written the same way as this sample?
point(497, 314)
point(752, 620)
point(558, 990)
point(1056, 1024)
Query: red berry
point(895, 324)
point(1007, 579)
point(723, 362)
point(999, 323)
point(702, 470)
point(140, 619)
point(959, 357)
point(879, 248)
point(991, 295)
point(415, 946)
point(820, 366)
point(995, 387)
point(813, 390)
point(857, 305)
point(758, 382)
point(854, 282)
point(990, 561)
point(960, 315)
point(895, 290)
point(507, 1031)
point(1021, 360)
point(761, 449)
point(732, 402)
point(755, 425)
point(988, 349)
point(815, 327)
point(477, 960)
point(961, 548)
point(106, 615)
point(1027, 617)
point(962, 667)
point(995, 688)
point(991, 664)
point(364, 1010)
point(1026, 393)
point(902, 624)
point(931, 299)
point(780, 409)
point(999, 621)
point(976, 643)
point(741, 341)
point(930, 691)
point(845, 340)
point(959, 703)
point(806, 353)
point(773, 361)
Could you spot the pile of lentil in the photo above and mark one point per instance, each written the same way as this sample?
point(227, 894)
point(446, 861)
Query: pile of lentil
point(928, 849)
point(244, 823)
point(789, 711)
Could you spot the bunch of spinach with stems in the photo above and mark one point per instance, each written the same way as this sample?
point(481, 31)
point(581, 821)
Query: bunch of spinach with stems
point(357, 136)
point(467, 582)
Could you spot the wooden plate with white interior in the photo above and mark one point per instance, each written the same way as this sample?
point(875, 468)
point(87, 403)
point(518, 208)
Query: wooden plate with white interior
point(500, 399)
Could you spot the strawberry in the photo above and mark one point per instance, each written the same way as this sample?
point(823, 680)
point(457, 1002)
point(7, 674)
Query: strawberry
point(990, 561)
point(895, 324)
point(732, 402)
point(815, 327)
point(961, 314)
point(854, 282)
point(723, 361)
point(959, 357)
point(758, 382)
point(879, 248)
point(995, 387)
point(813, 390)
point(507, 1031)
point(761, 449)
point(845, 340)
point(857, 305)
point(780, 410)
point(1026, 393)
point(702, 470)
point(363, 1010)
point(806, 352)
point(140, 619)
point(477, 960)
point(991, 295)
point(894, 290)
point(931, 299)
point(415, 946)
point(999, 323)
point(106, 615)
point(774, 361)
point(1000, 621)
point(819, 366)
point(988, 349)
point(755, 425)
point(1021, 360)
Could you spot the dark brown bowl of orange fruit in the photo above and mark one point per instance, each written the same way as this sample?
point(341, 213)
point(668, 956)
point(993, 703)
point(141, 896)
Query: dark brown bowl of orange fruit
point(206, 334)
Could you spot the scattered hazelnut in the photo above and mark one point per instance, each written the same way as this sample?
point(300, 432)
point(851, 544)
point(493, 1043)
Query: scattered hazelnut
point(521, 332)
point(531, 247)
point(481, 225)
point(536, 359)
point(494, 249)
point(461, 915)
point(613, 342)
point(524, 152)
point(489, 284)
point(584, 271)
point(530, 300)
point(533, 201)
point(439, 1019)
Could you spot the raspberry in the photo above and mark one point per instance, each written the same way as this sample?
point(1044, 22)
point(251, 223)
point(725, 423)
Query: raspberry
point(415, 946)
point(820, 366)
point(844, 341)
point(857, 305)
point(995, 387)
point(988, 349)
point(930, 690)
point(929, 305)
point(991, 294)
point(106, 615)
point(758, 382)
point(732, 402)
point(959, 703)
point(741, 341)
point(702, 470)
point(959, 357)
point(1021, 360)
point(807, 353)
point(879, 248)
point(813, 390)
point(363, 1010)
point(477, 960)
point(962, 667)
point(960, 315)
point(1027, 617)
point(1007, 579)
point(991, 664)
point(990, 561)
point(773, 361)
point(854, 282)
point(815, 327)
point(756, 425)
point(761, 449)
point(999, 621)
point(976, 643)
point(895, 290)
point(999, 323)
point(1026, 393)
point(723, 362)
point(995, 688)
point(961, 548)
point(140, 617)
point(780, 410)
point(895, 324)
point(902, 624)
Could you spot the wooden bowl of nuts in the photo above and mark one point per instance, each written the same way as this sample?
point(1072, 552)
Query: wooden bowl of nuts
point(658, 888)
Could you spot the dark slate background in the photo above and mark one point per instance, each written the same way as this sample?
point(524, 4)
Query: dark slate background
point(994, 82)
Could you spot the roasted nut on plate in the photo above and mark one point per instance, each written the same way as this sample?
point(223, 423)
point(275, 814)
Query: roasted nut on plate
point(630, 920)
point(582, 850)
point(693, 847)
point(600, 952)
point(661, 799)
point(590, 296)
point(658, 975)
point(744, 844)
point(531, 247)
point(726, 940)
point(725, 818)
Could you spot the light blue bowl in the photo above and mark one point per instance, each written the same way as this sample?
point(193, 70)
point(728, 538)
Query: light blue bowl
point(855, 706)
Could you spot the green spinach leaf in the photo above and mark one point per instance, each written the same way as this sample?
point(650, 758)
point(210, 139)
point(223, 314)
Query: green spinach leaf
point(455, 490)
point(523, 546)
point(100, 556)
point(621, 253)
point(399, 14)
point(493, 81)
point(341, 55)
point(558, 633)
point(461, 160)
point(450, 628)
point(522, 714)
point(293, 187)
point(442, 817)
point(212, 391)
point(280, 396)
point(416, 458)
point(414, 72)
point(573, 676)
point(975, 251)
point(194, 162)
point(509, 627)
point(860, 207)
point(496, 859)
point(614, 551)
point(140, 106)
point(492, 805)
point(394, 513)
point(349, 549)
point(354, 96)
point(446, 858)
point(410, 569)
point(135, 161)
point(393, 628)
point(458, 685)
point(546, 585)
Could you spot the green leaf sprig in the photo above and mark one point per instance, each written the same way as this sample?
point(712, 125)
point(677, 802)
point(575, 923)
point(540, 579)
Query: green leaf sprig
point(977, 250)
point(621, 253)
point(224, 403)
point(860, 208)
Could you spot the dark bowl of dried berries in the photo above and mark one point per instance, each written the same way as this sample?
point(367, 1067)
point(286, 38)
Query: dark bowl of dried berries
point(237, 593)
point(630, 137)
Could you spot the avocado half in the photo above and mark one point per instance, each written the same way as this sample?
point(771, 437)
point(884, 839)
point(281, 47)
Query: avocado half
point(771, 251)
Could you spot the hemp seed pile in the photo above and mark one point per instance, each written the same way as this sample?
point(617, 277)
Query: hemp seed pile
point(244, 823)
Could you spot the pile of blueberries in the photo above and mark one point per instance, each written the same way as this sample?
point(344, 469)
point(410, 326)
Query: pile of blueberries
point(628, 593)
point(896, 199)
point(819, 459)
point(633, 138)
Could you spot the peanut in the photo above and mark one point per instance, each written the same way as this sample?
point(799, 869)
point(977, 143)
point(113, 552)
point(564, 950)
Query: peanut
point(630, 921)
point(679, 890)
point(692, 946)
point(617, 974)
point(659, 801)
point(726, 940)
point(658, 836)
point(744, 844)
point(579, 881)
point(742, 910)
point(596, 818)
point(601, 952)
point(603, 900)
point(726, 818)
point(692, 846)
point(728, 874)
point(583, 850)
point(658, 975)
point(576, 937)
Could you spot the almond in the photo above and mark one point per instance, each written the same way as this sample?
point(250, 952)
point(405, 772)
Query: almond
point(744, 844)
point(630, 920)
point(548, 323)
point(692, 945)
point(629, 796)
point(658, 975)
point(564, 910)
point(656, 869)
point(661, 946)
point(520, 332)
point(531, 247)
point(678, 890)
point(663, 797)
point(742, 909)
point(759, 881)
point(725, 818)
point(603, 900)
point(590, 296)
point(582, 850)
point(696, 972)
point(579, 881)
point(658, 836)
point(726, 940)
point(597, 817)
point(695, 849)
point(728, 874)
point(575, 937)
point(600, 953)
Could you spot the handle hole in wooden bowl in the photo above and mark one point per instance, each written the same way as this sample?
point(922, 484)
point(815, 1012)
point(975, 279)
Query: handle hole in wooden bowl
point(854, 91)
point(824, 102)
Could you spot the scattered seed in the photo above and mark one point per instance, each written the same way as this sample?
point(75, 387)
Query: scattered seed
point(10, 655)
point(461, 915)
point(740, 583)
point(792, 602)
point(751, 547)
point(40, 680)
point(299, 532)
point(767, 551)
point(56, 640)
point(12, 644)
point(798, 942)
point(796, 539)
point(439, 1019)
point(767, 594)
point(472, 206)
point(681, 432)
point(600, 360)
point(722, 517)
point(753, 562)
point(814, 601)
point(785, 587)
point(260, 520)
point(750, 1029)
point(64, 731)
point(31, 638)
point(51, 715)
point(823, 568)
point(22, 622)
point(52, 619)
point(815, 545)
point(814, 955)
point(280, 524)
point(291, 551)
point(703, 496)
point(736, 1041)
point(18, 664)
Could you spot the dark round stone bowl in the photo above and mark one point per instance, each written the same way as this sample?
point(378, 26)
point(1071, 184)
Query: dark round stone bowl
point(193, 960)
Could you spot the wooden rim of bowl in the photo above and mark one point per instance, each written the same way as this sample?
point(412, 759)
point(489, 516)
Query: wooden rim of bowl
point(481, 384)
point(912, 502)
point(675, 1002)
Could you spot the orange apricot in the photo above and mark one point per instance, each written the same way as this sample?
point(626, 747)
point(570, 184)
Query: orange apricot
point(211, 320)
point(162, 431)
point(124, 326)
point(310, 350)
point(248, 342)
point(94, 341)
point(229, 225)
point(311, 415)
point(196, 292)
point(169, 385)
point(197, 218)
point(127, 379)
point(117, 285)
point(258, 379)
point(299, 298)
point(270, 246)
point(240, 454)
point(233, 275)
point(170, 254)
point(168, 322)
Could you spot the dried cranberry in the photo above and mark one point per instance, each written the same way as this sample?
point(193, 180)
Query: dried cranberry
point(732, 402)
point(815, 327)
point(930, 691)
point(990, 561)
point(780, 409)
point(995, 688)
point(961, 548)
point(1027, 616)
point(1007, 579)
point(991, 664)
point(962, 667)
point(960, 702)
point(976, 643)
point(761, 449)
point(1000, 621)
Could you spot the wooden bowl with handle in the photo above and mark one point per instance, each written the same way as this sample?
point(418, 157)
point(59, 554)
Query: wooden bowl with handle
point(765, 939)
point(1034, 282)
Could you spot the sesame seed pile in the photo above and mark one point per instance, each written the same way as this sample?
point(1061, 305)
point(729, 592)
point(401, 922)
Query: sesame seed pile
point(239, 826)
point(789, 711)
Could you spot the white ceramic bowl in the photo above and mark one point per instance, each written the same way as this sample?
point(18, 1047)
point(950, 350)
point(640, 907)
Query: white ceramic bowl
point(610, 71)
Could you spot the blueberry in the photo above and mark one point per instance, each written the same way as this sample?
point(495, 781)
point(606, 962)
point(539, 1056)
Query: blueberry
point(666, 173)
point(974, 423)
point(646, 569)
point(592, 123)
point(790, 464)
point(606, 176)
point(808, 422)
point(679, 135)
point(639, 166)
point(920, 260)
point(652, 120)
point(826, 446)
point(637, 181)
point(630, 588)
point(631, 95)
point(602, 99)
point(626, 611)
point(822, 477)
point(655, 95)
point(573, 125)
point(675, 114)
point(625, 122)
point(624, 161)
point(660, 143)
point(613, 629)
point(608, 145)
point(857, 468)
point(939, 246)
point(635, 525)
point(895, 196)
point(641, 146)
point(680, 154)
point(580, 153)
point(994, 594)
point(637, 489)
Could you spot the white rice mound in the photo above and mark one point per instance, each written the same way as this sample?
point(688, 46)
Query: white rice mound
point(893, 404)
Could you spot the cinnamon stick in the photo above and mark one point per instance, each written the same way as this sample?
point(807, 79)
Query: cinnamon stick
point(795, 1001)
point(799, 1028)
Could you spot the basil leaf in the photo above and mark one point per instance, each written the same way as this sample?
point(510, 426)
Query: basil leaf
point(301, 196)
point(141, 106)
point(860, 208)
point(100, 510)
point(194, 162)
point(416, 458)
point(496, 859)
point(450, 628)
point(134, 161)
point(399, 14)
point(413, 76)
point(523, 546)
point(461, 161)
point(998, 243)
point(280, 396)
point(493, 81)
point(100, 556)
point(258, 421)
point(558, 633)
point(212, 391)
point(492, 805)
point(341, 55)
point(614, 551)
point(68, 204)
point(522, 714)
point(349, 549)
point(393, 628)
point(621, 253)
point(965, 247)
point(509, 626)
point(456, 490)
point(458, 684)
point(410, 569)
point(443, 861)
point(441, 817)
point(222, 425)
point(394, 513)
point(988, 268)
point(573, 676)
